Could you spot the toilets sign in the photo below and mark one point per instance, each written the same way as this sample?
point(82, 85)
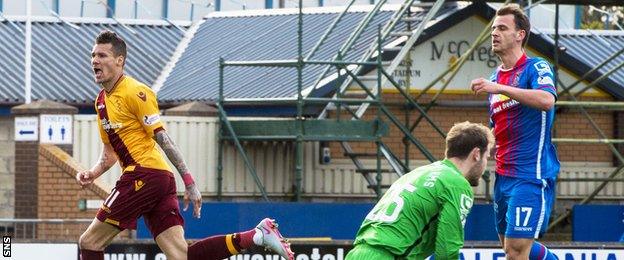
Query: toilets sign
point(56, 129)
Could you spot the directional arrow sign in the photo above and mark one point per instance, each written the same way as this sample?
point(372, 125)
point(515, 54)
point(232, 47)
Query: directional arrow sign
point(26, 128)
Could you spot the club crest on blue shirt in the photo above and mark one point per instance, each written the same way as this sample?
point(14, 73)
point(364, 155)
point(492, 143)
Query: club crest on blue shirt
point(516, 80)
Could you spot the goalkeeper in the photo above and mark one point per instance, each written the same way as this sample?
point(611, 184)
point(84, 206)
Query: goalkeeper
point(424, 212)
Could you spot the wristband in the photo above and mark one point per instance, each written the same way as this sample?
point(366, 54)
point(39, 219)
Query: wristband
point(188, 179)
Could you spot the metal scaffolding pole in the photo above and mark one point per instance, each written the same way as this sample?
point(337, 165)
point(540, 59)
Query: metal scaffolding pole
point(602, 64)
point(556, 50)
point(378, 98)
point(328, 31)
point(351, 40)
point(226, 123)
point(605, 105)
point(300, 101)
point(394, 120)
point(300, 104)
point(588, 141)
point(604, 76)
point(454, 68)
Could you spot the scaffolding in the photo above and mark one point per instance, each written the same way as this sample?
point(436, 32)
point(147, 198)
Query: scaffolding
point(301, 128)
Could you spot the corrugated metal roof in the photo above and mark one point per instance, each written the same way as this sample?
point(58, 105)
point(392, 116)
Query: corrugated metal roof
point(12, 65)
point(262, 37)
point(593, 48)
point(61, 69)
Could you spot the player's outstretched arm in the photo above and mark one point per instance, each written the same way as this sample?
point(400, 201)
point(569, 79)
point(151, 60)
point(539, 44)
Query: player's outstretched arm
point(107, 159)
point(191, 194)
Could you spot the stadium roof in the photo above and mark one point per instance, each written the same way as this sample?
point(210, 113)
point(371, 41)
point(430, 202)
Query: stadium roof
point(61, 69)
point(264, 35)
point(272, 35)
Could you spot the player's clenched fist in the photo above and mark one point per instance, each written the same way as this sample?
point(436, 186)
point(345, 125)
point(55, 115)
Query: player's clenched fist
point(84, 178)
point(483, 85)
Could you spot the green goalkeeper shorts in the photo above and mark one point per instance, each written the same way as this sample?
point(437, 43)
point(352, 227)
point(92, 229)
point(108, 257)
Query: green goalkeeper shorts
point(366, 252)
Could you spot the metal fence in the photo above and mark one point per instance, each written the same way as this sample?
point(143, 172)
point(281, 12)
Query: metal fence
point(44, 229)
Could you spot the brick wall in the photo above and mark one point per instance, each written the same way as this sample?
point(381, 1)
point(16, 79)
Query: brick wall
point(572, 124)
point(59, 194)
point(569, 123)
point(26, 179)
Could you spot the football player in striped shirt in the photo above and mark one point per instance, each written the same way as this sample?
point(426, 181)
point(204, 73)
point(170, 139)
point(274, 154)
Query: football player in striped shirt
point(522, 95)
point(130, 128)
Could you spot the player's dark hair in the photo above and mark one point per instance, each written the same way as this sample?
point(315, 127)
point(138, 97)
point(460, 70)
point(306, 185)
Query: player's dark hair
point(119, 45)
point(520, 19)
point(465, 136)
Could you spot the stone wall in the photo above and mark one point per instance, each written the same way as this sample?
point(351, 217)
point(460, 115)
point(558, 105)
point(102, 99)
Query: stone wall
point(7, 168)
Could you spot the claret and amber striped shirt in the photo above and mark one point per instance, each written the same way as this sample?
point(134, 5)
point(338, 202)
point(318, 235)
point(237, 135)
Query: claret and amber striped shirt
point(128, 118)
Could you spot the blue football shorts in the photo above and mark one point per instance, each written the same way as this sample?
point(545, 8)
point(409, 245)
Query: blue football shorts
point(522, 207)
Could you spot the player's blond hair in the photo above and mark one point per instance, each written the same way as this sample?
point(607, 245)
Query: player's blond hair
point(465, 136)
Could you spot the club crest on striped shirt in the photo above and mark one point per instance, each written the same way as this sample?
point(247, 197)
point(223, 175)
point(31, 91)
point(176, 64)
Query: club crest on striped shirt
point(142, 96)
point(138, 184)
point(516, 80)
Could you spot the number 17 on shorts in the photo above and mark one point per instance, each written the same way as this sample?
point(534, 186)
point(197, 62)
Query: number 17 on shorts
point(523, 214)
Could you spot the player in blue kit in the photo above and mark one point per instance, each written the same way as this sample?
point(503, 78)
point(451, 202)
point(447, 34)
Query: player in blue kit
point(522, 95)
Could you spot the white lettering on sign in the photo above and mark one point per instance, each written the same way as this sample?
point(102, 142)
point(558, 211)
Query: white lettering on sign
point(465, 254)
point(315, 255)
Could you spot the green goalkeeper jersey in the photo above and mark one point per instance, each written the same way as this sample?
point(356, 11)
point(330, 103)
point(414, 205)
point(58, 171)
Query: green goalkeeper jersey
point(423, 213)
